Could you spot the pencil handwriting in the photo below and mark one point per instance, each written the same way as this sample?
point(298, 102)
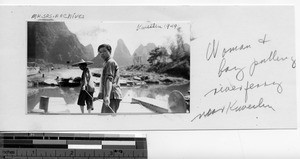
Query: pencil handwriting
point(233, 107)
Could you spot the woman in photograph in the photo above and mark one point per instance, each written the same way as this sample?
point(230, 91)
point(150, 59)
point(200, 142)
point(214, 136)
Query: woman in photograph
point(110, 90)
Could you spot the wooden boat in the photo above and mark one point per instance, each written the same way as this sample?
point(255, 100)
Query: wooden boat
point(95, 74)
point(69, 82)
point(123, 82)
point(152, 104)
point(177, 103)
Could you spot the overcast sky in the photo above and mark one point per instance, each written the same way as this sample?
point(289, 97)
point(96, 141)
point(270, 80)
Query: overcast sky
point(132, 33)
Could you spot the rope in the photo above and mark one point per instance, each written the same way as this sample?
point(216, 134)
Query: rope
point(97, 99)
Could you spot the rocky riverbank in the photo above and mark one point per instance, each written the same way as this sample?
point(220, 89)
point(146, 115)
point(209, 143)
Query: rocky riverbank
point(151, 78)
point(128, 78)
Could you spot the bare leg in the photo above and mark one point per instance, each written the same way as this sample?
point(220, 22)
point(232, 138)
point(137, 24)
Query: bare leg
point(82, 109)
point(89, 110)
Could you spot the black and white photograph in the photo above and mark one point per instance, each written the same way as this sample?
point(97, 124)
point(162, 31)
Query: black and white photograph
point(94, 67)
point(148, 67)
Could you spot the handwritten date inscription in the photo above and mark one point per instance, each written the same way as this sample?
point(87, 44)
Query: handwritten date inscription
point(156, 26)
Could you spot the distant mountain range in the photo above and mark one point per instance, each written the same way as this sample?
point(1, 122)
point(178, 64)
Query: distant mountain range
point(98, 62)
point(54, 43)
point(122, 54)
point(141, 54)
point(90, 52)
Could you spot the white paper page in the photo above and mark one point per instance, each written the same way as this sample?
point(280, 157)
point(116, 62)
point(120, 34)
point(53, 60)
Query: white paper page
point(242, 70)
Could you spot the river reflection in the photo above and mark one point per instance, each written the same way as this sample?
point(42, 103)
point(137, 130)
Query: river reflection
point(160, 92)
point(70, 95)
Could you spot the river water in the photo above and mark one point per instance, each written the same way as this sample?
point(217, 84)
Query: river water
point(69, 95)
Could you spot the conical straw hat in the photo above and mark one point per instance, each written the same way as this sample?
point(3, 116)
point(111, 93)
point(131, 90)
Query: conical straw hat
point(82, 62)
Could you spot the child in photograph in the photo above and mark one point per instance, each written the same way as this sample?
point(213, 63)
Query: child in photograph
point(87, 87)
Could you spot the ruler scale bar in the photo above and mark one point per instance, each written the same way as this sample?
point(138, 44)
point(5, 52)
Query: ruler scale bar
point(84, 142)
point(72, 145)
point(80, 151)
point(107, 142)
point(50, 142)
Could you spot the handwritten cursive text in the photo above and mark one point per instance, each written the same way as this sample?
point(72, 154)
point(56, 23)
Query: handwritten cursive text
point(239, 71)
point(233, 107)
point(212, 49)
point(273, 57)
point(245, 88)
